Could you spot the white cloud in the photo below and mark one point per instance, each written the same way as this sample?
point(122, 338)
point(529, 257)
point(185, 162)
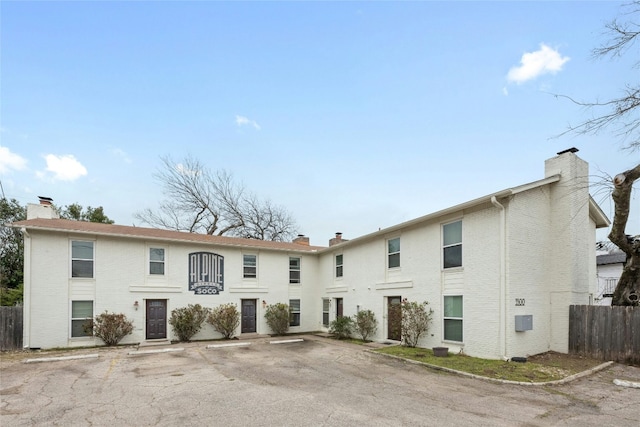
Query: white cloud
point(243, 121)
point(534, 64)
point(64, 168)
point(11, 161)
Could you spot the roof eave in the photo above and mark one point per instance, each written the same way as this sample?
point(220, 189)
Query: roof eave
point(461, 207)
point(597, 214)
point(312, 250)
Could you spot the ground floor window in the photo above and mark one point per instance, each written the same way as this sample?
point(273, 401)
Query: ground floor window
point(81, 319)
point(325, 311)
point(453, 318)
point(294, 312)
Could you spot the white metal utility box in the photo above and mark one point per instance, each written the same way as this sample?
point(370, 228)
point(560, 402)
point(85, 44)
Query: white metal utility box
point(524, 323)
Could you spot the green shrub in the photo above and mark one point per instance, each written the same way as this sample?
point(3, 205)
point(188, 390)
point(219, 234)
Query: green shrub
point(225, 319)
point(187, 321)
point(415, 321)
point(112, 327)
point(342, 327)
point(365, 323)
point(277, 316)
point(11, 296)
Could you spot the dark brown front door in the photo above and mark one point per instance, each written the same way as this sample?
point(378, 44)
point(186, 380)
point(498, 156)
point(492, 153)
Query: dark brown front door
point(156, 319)
point(394, 318)
point(339, 305)
point(248, 316)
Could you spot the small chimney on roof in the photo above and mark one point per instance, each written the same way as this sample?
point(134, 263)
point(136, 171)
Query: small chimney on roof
point(337, 239)
point(301, 240)
point(45, 201)
point(44, 209)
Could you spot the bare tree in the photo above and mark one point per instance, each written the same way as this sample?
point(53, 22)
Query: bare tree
point(628, 288)
point(200, 201)
point(622, 113)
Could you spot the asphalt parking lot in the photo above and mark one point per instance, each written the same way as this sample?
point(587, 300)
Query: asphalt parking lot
point(315, 382)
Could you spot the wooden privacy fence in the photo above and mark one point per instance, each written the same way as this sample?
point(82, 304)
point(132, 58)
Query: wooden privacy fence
point(10, 328)
point(605, 332)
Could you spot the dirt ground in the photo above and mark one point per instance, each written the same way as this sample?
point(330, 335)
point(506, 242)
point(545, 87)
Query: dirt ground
point(568, 362)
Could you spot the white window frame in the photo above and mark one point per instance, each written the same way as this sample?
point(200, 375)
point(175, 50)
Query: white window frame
point(390, 254)
point(293, 311)
point(246, 276)
point(83, 319)
point(339, 266)
point(163, 262)
point(455, 318)
point(92, 259)
point(292, 269)
point(452, 245)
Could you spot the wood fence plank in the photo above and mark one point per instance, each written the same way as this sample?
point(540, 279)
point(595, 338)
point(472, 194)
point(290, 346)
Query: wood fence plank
point(605, 332)
point(10, 328)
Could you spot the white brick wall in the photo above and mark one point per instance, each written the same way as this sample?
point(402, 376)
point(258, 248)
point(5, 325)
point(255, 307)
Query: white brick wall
point(546, 262)
point(121, 279)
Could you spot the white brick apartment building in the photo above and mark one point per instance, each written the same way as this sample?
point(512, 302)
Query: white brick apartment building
point(499, 272)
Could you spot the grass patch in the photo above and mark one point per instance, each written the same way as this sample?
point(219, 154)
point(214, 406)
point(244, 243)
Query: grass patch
point(531, 371)
point(355, 341)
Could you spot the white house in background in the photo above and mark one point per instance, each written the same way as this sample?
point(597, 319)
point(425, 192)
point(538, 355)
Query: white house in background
point(609, 270)
point(500, 272)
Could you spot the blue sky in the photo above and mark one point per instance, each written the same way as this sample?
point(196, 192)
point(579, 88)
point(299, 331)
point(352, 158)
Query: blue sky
point(354, 116)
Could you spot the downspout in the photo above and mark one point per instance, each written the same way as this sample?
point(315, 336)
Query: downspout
point(503, 281)
point(26, 290)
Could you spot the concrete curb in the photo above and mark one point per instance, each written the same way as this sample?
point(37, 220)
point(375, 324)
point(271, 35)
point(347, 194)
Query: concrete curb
point(496, 380)
point(162, 350)
point(624, 383)
point(61, 358)
point(286, 341)
point(235, 344)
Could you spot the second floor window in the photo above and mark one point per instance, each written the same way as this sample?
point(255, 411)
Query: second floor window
point(156, 261)
point(452, 244)
point(81, 259)
point(393, 252)
point(339, 265)
point(294, 270)
point(249, 266)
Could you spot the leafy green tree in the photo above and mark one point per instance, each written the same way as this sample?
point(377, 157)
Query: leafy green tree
point(76, 212)
point(11, 296)
point(11, 252)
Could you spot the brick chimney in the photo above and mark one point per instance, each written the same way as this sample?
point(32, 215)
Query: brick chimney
point(336, 240)
point(301, 240)
point(43, 210)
